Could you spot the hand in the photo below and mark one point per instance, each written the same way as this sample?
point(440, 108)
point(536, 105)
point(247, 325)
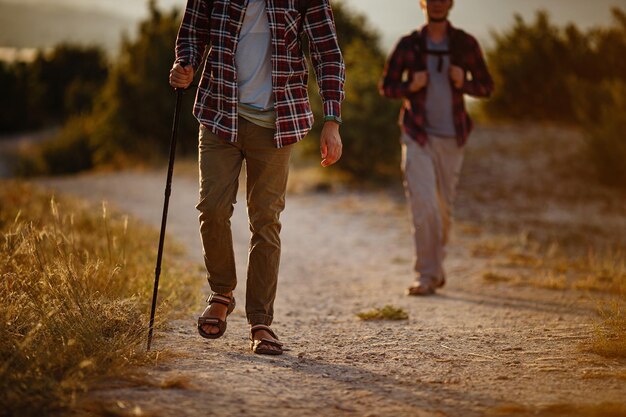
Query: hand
point(181, 77)
point(330, 143)
point(457, 75)
point(419, 81)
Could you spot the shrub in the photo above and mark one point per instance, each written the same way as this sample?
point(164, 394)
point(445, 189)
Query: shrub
point(370, 131)
point(56, 85)
point(534, 64)
point(605, 123)
point(388, 312)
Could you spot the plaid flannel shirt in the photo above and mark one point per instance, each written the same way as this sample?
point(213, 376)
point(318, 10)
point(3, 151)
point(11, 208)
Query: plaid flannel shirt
point(409, 56)
point(216, 104)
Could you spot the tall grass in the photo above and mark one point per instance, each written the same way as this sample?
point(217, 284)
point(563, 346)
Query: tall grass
point(75, 288)
point(609, 339)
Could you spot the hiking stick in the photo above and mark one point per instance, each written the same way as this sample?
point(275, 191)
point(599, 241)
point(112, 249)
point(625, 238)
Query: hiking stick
point(168, 191)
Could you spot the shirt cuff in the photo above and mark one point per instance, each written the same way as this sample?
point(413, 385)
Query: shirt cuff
point(332, 108)
point(333, 119)
point(404, 89)
point(186, 60)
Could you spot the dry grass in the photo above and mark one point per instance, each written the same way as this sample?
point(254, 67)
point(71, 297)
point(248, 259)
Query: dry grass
point(596, 270)
point(549, 281)
point(520, 260)
point(388, 312)
point(609, 338)
point(469, 229)
point(601, 272)
point(75, 290)
point(495, 277)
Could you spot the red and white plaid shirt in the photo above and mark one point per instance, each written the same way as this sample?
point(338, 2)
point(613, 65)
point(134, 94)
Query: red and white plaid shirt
point(217, 97)
point(410, 56)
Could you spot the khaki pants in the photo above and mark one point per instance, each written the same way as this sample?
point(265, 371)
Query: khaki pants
point(431, 174)
point(266, 181)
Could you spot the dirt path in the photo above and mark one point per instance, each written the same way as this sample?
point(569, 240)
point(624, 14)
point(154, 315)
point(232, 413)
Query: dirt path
point(468, 351)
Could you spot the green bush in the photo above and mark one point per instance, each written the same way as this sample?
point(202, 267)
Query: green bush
point(68, 78)
point(554, 74)
point(371, 135)
point(534, 64)
point(127, 119)
point(370, 132)
point(134, 113)
point(69, 152)
point(530, 65)
point(55, 86)
point(602, 111)
point(16, 109)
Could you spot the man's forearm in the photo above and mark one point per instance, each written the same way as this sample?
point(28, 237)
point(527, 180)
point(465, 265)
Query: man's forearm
point(193, 34)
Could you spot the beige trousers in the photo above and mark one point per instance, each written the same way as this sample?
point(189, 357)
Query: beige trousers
point(266, 181)
point(431, 174)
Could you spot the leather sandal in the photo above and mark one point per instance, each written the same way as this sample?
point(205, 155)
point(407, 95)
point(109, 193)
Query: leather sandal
point(426, 287)
point(257, 345)
point(214, 321)
point(441, 282)
point(420, 289)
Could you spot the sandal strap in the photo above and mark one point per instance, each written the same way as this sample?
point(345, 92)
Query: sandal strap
point(208, 320)
point(219, 299)
point(275, 343)
point(258, 327)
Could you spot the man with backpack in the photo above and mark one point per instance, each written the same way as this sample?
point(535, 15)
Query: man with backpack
point(431, 70)
point(252, 105)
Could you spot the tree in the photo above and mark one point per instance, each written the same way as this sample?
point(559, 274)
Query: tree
point(529, 64)
point(15, 102)
point(538, 66)
point(67, 79)
point(55, 86)
point(135, 110)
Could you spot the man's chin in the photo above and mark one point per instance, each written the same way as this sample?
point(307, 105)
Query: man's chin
point(437, 19)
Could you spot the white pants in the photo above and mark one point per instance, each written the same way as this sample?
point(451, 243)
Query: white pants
point(431, 174)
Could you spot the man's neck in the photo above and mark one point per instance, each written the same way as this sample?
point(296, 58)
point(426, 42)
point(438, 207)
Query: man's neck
point(437, 31)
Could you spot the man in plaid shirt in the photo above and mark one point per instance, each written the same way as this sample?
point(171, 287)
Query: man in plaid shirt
point(252, 103)
point(431, 70)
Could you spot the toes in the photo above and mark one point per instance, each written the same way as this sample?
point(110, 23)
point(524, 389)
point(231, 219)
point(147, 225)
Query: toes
point(210, 329)
point(267, 346)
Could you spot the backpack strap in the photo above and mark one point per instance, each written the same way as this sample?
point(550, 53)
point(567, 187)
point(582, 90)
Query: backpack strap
point(421, 47)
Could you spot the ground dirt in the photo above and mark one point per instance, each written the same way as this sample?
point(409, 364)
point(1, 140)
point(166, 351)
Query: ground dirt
point(476, 348)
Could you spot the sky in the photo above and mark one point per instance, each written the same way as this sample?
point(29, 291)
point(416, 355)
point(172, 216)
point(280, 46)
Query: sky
point(393, 18)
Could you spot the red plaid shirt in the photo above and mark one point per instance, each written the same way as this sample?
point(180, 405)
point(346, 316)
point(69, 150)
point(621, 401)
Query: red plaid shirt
point(217, 97)
point(409, 57)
